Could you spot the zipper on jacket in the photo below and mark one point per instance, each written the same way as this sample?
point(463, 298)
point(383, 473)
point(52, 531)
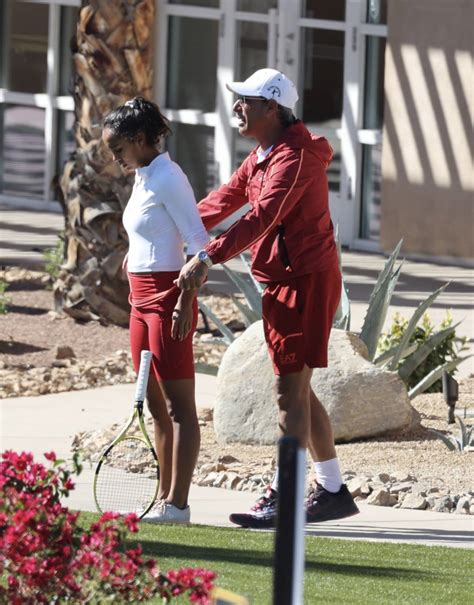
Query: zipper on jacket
point(282, 249)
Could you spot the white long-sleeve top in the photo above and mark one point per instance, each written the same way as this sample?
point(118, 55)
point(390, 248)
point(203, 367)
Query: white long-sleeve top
point(160, 216)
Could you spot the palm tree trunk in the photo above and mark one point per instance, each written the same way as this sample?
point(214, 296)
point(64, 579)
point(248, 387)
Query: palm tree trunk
point(112, 54)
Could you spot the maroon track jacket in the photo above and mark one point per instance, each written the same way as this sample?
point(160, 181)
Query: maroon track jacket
point(288, 228)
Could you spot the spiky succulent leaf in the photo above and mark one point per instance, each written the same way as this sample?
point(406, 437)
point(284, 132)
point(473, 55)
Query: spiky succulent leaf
point(410, 365)
point(463, 431)
point(386, 271)
point(249, 316)
point(451, 442)
point(435, 375)
point(248, 267)
point(377, 311)
point(248, 289)
point(220, 325)
point(384, 357)
point(412, 325)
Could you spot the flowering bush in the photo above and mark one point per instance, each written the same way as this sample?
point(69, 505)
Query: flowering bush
point(46, 558)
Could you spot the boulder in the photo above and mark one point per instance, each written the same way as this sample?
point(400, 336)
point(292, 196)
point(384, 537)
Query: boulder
point(361, 399)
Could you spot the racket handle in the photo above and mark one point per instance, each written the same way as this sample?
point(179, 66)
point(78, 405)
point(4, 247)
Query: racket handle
point(143, 372)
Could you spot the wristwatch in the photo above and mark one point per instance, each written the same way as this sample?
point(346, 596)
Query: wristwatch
point(204, 257)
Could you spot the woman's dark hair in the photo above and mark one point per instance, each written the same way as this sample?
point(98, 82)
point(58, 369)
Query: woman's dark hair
point(138, 115)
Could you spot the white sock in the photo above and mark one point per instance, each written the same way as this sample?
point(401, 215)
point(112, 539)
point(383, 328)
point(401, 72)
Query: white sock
point(275, 481)
point(328, 474)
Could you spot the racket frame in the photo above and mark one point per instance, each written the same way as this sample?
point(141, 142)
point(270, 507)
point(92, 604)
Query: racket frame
point(137, 414)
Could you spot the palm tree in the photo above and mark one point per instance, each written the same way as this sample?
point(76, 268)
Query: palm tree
point(112, 54)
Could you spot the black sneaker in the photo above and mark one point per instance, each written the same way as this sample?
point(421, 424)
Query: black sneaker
point(262, 514)
point(322, 505)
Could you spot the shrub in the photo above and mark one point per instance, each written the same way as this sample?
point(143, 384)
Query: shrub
point(53, 258)
point(443, 352)
point(4, 300)
point(46, 558)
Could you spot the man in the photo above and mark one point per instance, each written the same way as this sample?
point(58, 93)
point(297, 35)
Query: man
point(289, 232)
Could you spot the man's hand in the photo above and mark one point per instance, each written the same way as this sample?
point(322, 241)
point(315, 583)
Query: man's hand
point(192, 275)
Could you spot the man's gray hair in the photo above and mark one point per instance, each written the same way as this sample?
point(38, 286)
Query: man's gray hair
point(285, 116)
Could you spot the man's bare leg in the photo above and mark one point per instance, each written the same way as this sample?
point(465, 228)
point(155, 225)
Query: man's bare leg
point(321, 440)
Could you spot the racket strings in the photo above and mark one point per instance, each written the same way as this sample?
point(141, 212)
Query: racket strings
point(127, 479)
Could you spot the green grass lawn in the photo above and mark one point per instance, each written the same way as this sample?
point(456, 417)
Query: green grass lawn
point(337, 571)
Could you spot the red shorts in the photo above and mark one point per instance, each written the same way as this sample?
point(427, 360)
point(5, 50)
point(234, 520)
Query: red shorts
point(153, 297)
point(297, 320)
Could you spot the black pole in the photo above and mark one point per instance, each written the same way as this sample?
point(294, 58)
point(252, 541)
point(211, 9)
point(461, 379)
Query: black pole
point(451, 394)
point(289, 538)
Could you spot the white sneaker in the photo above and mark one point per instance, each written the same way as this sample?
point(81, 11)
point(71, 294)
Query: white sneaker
point(165, 512)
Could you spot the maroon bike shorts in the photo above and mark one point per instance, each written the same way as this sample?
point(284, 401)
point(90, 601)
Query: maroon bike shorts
point(153, 297)
point(297, 319)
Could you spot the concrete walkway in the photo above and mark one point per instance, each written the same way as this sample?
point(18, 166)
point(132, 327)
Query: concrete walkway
point(49, 422)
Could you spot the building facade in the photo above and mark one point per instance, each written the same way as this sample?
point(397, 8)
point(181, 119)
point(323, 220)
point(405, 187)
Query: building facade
point(388, 82)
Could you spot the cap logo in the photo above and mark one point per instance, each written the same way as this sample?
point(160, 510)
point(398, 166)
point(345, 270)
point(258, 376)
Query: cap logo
point(274, 91)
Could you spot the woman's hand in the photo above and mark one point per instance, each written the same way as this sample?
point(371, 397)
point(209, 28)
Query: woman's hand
point(182, 321)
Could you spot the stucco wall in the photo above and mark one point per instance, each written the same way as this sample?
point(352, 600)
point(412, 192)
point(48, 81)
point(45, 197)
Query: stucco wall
point(427, 167)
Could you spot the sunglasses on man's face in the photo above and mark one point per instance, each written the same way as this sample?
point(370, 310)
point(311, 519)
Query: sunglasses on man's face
point(248, 100)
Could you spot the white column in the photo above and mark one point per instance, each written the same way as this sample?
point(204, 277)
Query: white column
point(288, 38)
point(346, 210)
point(225, 99)
point(51, 113)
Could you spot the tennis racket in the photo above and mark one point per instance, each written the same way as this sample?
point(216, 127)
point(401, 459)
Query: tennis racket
point(127, 476)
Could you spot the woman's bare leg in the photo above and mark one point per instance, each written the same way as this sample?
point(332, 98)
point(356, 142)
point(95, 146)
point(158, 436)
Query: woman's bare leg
point(163, 434)
point(186, 437)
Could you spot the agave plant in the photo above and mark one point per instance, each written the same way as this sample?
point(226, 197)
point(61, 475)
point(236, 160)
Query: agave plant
point(460, 443)
point(404, 357)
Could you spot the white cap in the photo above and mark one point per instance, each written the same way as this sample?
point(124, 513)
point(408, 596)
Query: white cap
point(270, 84)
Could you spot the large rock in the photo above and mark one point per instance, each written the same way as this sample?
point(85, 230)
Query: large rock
point(361, 399)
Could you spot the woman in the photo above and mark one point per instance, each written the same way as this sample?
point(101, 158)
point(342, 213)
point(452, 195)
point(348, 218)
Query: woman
point(160, 215)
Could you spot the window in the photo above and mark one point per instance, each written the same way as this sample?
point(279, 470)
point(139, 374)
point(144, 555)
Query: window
point(374, 78)
point(65, 142)
point(192, 147)
point(206, 3)
point(27, 47)
point(69, 15)
point(262, 6)
point(321, 83)
point(251, 48)
point(23, 151)
point(192, 64)
point(322, 80)
point(371, 177)
point(335, 10)
point(371, 192)
point(36, 115)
